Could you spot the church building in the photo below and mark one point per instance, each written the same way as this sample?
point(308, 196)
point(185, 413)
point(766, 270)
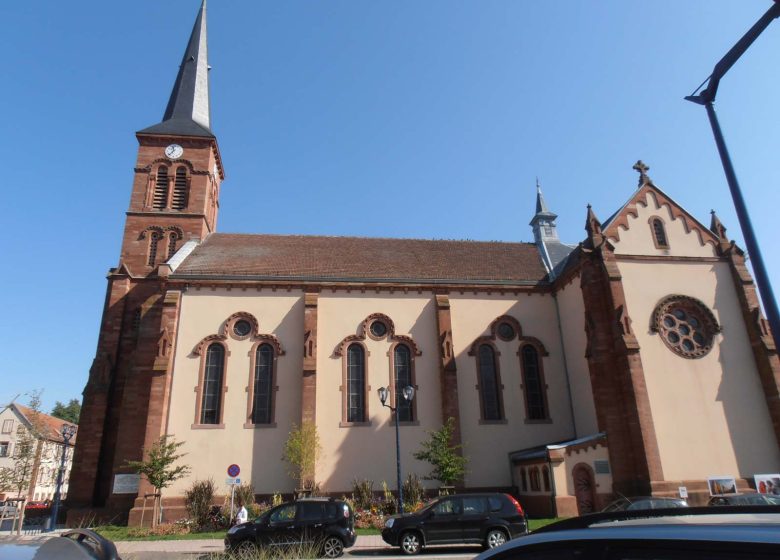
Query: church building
point(634, 361)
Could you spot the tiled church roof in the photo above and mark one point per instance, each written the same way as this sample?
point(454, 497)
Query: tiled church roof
point(363, 259)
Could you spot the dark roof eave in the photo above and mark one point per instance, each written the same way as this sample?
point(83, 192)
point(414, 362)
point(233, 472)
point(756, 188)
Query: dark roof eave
point(358, 280)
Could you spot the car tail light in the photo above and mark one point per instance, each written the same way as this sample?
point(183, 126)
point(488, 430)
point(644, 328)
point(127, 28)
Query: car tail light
point(516, 504)
point(346, 511)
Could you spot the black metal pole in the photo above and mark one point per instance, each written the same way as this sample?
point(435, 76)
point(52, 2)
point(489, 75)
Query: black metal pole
point(55, 510)
point(751, 244)
point(398, 463)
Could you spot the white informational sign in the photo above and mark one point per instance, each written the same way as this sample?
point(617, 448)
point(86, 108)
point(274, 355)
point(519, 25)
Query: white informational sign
point(233, 481)
point(126, 483)
point(768, 484)
point(683, 492)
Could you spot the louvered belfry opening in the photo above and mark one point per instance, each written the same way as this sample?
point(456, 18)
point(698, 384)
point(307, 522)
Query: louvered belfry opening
point(161, 189)
point(154, 239)
point(172, 238)
point(179, 200)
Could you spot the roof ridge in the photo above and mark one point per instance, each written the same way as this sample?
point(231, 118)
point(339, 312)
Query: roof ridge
point(322, 236)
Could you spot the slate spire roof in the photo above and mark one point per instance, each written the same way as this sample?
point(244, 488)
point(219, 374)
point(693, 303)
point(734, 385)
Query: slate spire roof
point(188, 112)
point(542, 212)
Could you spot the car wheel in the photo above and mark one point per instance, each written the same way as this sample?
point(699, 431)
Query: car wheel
point(246, 550)
point(495, 537)
point(410, 542)
point(333, 547)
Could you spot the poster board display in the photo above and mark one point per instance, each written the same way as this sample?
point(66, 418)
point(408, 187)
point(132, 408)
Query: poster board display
point(768, 484)
point(722, 485)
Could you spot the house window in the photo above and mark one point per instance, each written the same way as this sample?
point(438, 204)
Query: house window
point(546, 478)
point(402, 366)
point(8, 426)
point(4, 446)
point(262, 410)
point(356, 384)
point(179, 198)
point(534, 476)
point(659, 233)
point(523, 480)
point(213, 378)
point(489, 385)
point(533, 384)
point(161, 189)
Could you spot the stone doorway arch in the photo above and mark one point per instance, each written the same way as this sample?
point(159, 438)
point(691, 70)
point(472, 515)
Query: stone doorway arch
point(584, 488)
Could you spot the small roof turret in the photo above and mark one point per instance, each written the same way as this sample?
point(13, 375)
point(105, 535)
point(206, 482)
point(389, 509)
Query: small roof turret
point(188, 112)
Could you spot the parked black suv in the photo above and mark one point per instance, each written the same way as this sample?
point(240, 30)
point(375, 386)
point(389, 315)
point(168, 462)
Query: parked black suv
point(487, 519)
point(320, 523)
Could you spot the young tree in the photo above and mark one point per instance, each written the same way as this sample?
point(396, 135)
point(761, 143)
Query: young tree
point(69, 412)
point(301, 451)
point(159, 468)
point(448, 464)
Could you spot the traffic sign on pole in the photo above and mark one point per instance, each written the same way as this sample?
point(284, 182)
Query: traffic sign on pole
point(233, 470)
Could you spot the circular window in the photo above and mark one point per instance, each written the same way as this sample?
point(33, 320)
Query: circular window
point(242, 327)
point(686, 326)
point(378, 329)
point(506, 331)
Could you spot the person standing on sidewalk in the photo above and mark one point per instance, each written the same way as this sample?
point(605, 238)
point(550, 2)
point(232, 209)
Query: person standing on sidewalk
point(242, 515)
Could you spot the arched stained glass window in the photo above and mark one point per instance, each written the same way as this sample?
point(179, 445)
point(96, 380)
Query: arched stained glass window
point(356, 384)
point(402, 364)
point(213, 377)
point(262, 412)
point(532, 383)
point(488, 383)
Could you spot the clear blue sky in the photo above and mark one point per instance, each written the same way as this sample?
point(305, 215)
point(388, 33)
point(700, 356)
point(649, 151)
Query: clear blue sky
point(396, 118)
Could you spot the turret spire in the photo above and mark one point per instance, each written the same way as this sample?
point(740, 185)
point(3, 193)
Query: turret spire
point(543, 222)
point(188, 112)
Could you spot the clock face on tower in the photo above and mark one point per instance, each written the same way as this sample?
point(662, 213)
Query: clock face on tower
point(174, 151)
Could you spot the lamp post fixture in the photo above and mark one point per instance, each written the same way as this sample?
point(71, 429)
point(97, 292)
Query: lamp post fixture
point(67, 432)
point(408, 394)
point(707, 98)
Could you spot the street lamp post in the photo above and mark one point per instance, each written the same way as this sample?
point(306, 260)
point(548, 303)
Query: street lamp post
point(408, 394)
point(707, 98)
point(67, 432)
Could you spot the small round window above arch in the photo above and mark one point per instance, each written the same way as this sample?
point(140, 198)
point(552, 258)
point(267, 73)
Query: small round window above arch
point(506, 331)
point(377, 329)
point(686, 326)
point(242, 328)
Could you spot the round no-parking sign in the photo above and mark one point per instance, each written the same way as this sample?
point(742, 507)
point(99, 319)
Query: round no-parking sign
point(234, 470)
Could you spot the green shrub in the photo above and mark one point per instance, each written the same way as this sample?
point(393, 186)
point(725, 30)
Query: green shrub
point(244, 495)
point(198, 499)
point(362, 493)
point(414, 493)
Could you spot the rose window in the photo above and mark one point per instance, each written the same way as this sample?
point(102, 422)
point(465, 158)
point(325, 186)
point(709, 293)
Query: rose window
point(685, 325)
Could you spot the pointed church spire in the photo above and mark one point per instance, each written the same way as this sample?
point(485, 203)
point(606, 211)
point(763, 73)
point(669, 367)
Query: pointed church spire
point(541, 207)
point(717, 227)
point(543, 222)
point(188, 112)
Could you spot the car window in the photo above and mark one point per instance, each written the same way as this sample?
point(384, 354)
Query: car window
point(284, 513)
point(332, 510)
point(495, 503)
point(447, 506)
point(311, 511)
point(472, 506)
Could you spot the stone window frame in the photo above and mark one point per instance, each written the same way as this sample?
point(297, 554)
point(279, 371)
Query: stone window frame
point(541, 352)
point(475, 349)
point(173, 186)
point(9, 422)
point(709, 324)
point(156, 235)
point(534, 479)
point(415, 421)
point(344, 388)
point(154, 179)
point(546, 478)
point(659, 221)
point(271, 341)
point(202, 350)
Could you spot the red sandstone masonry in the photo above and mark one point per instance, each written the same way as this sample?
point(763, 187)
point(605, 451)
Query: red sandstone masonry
point(448, 374)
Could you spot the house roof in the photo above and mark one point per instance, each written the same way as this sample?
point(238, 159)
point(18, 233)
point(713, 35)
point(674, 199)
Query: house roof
point(49, 425)
point(360, 259)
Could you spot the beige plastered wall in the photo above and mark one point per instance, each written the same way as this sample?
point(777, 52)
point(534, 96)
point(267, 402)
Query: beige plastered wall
point(257, 451)
point(563, 472)
point(638, 240)
point(572, 317)
point(488, 445)
point(369, 451)
point(710, 414)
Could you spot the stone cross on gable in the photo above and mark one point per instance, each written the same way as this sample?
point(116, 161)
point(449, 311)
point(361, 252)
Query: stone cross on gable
point(642, 169)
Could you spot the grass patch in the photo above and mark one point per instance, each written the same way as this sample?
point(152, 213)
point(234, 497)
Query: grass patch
point(534, 524)
point(368, 531)
point(117, 533)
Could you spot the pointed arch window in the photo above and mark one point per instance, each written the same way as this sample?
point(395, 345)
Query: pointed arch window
point(161, 189)
point(355, 394)
point(533, 384)
point(154, 241)
point(402, 374)
point(489, 383)
point(263, 386)
point(212, 387)
point(173, 237)
point(659, 233)
point(180, 189)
